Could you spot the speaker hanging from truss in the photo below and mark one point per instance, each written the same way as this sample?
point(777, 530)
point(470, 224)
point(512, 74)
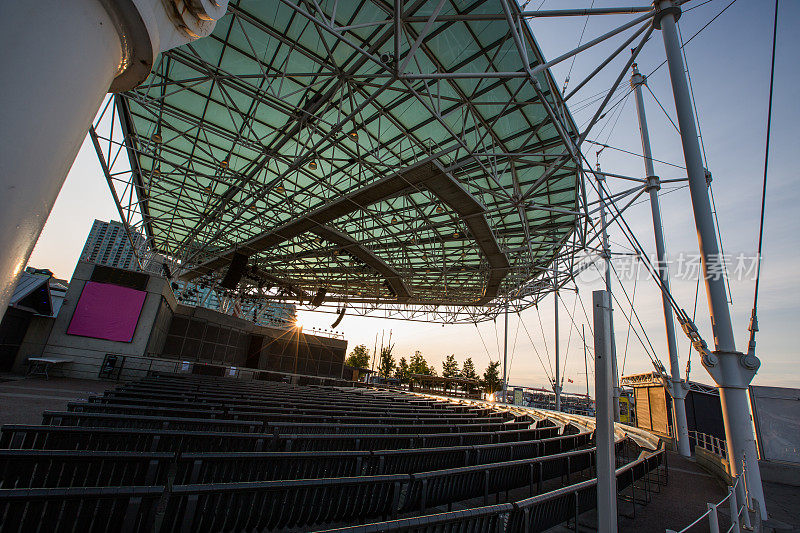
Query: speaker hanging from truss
point(339, 318)
point(235, 271)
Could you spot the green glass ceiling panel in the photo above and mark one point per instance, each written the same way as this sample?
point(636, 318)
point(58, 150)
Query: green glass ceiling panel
point(264, 138)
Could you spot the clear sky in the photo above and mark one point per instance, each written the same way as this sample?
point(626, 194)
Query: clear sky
point(729, 66)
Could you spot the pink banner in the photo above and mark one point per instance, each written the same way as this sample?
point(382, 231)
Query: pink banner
point(107, 311)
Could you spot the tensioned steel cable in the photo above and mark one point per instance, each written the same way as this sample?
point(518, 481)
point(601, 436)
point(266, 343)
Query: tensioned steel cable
point(497, 340)
point(662, 109)
point(569, 337)
point(513, 350)
point(483, 342)
point(535, 350)
point(694, 315)
point(544, 339)
point(632, 153)
point(580, 41)
point(650, 353)
point(631, 237)
point(628, 233)
point(766, 166)
point(725, 275)
point(707, 24)
point(628, 334)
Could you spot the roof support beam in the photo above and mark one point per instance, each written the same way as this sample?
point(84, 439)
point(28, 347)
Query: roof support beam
point(427, 175)
point(368, 257)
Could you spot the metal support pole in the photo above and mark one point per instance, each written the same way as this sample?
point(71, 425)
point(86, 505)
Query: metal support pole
point(604, 422)
point(585, 362)
point(678, 387)
point(505, 358)
point(607, 266)
point(734, 507)
point(59, 58)
point(713, 518)
point(557, 381)
point(731, 370)
point(59, 61)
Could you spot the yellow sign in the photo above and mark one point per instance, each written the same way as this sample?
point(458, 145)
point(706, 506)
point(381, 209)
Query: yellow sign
point(625, 410)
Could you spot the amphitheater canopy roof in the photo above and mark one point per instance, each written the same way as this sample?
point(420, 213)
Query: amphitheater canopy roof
point(390, 153)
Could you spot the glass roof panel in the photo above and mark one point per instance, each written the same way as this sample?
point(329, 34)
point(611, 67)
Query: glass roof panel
point(315, 143)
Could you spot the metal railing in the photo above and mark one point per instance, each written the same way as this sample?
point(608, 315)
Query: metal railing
point(709, 443)
point(740, 515)
point(329, 333)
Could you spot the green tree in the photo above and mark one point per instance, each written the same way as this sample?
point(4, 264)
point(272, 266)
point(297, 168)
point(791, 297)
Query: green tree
point(491, 377)
point(468, 370)
point(359, 357)
point(450, 367)
point(418, 365)
point(387, 364)
point(402, 372)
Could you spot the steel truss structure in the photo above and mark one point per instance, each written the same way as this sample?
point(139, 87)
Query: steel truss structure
point(414, 160)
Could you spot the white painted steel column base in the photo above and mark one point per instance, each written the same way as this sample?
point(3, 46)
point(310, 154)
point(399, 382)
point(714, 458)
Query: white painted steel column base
point(742, 452)
point(557, 391)
point(678, 391)
point(60, 58)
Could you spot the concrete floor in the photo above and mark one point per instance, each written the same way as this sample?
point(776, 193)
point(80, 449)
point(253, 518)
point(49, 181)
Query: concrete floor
point(680, 502)
point(22, 400)
point(783, 506)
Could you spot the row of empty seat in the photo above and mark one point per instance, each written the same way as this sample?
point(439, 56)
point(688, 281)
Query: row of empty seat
point(179, 452)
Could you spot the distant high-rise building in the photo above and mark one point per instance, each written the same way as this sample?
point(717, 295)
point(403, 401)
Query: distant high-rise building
point(108, 244)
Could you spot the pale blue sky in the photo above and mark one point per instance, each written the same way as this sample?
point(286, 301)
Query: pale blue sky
point(729, 63)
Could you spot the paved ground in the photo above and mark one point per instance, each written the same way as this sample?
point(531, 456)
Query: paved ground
point(680, 502)
point(783, 505)
point(22, 400)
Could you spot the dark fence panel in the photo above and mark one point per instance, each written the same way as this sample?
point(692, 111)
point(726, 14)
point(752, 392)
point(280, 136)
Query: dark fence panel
point(84, 510)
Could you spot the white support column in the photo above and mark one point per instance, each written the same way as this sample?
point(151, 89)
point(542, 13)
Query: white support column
point(557, 381)
point(60, 58)
point(607, 265)
point(505, 358)
point(604, 425)
point(678, 387)
point(731, 370)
